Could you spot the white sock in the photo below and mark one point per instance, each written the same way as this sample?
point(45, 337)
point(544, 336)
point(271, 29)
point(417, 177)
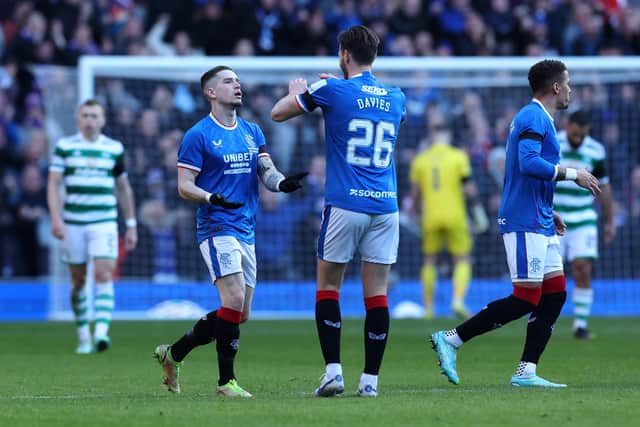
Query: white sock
point(452, 337)
point(80, 307)
point(526, 369)
point(104, 308)
point(582, 300)
point(333, 369)
point(369, 379)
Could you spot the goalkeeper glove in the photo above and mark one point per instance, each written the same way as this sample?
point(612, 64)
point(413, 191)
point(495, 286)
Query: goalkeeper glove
point(292, 183)
point(480, 220)
point(219, 200)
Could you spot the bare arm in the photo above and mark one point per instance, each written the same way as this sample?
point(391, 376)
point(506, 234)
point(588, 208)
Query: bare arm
point(187, 188)
point(288, 107)
point(606, 198)
point(124, 194)
point(54, 200)
point(270, 176)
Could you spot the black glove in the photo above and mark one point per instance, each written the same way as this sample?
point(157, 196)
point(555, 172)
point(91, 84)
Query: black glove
point(292, 183)
point(219, 200)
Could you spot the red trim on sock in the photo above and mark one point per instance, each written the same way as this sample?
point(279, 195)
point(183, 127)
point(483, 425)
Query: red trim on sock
point(376, 301)
point(554, 285)
point(531, 295)
point(229, 315)
point(322, 295)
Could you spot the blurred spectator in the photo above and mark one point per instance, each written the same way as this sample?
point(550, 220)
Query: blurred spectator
point(30, 213)
point(180, 46)
point(634, 193)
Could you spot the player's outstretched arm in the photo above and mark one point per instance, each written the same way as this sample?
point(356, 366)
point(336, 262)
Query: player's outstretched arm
point(273, 179)
point(288, 106)
point(188, 190)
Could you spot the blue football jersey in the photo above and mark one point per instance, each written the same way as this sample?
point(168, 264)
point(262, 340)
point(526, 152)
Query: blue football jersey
point(226, 159)
point(527, 200)
point(362, 118)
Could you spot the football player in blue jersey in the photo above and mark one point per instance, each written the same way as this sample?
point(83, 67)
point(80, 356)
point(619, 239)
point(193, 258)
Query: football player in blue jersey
point(362, 118)
point(219, 162)
point(529, 229)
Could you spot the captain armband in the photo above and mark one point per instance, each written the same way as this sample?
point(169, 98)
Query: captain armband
point(268, 173)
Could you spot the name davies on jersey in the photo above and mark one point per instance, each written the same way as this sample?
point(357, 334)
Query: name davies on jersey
point(376, 103)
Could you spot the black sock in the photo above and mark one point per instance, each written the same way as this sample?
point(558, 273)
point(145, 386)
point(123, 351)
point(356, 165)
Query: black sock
point(203, 332)
point(376, 330)
point(329, 323)
point(494, 315)
point(541, 324)
point(228, 342)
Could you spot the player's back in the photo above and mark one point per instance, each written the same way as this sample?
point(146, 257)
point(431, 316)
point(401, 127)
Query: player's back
point(527, 202)
point(440, 172)
point(362, 119)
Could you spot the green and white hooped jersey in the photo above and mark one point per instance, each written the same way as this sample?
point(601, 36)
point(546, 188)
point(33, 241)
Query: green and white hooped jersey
point(574, 203)
point(89, 169)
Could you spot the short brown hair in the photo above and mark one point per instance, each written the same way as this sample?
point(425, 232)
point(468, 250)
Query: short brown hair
point(212, 73)
point(361, 42)
point(91, 103)
point(544, 74)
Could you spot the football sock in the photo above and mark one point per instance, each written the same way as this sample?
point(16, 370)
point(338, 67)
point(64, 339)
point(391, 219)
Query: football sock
point(582, 300)
point(452, 337)
point(461, 279)
point(500, 312)
point(526, 369)
point(540, 325)
point(104, 308)
point(329, 324)
point(428, 276)
point(203, 332)
point(80, 307)
point(376, 331)
point(228, 342)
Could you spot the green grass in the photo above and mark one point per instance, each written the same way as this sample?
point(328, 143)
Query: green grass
point(45, 384)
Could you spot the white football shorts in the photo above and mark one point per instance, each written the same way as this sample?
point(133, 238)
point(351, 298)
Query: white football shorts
point(580, 243)
point(225, 255)
point(531, 255)
point(343, 232)
point(90, 241)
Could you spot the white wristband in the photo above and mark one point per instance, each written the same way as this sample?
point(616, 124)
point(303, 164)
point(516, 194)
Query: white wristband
point(571, 174)
point(207, 197)
point(131, 222)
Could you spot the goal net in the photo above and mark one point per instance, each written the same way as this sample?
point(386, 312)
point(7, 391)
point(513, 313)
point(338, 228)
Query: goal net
point(152, 101)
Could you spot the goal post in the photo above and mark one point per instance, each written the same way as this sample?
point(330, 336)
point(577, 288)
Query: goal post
point(477, 95)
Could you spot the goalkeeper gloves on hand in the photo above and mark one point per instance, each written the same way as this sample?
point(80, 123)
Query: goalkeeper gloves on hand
point(219, 200)
point(292, 183)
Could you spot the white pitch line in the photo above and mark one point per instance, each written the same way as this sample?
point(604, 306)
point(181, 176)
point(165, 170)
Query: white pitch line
point(61, 396)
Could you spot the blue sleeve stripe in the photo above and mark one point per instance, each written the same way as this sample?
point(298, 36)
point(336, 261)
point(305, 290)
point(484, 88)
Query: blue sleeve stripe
point(521, 255)
point(530, 135)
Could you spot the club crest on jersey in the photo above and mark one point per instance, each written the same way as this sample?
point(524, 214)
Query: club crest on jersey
point(251, 144)
point(217, 143)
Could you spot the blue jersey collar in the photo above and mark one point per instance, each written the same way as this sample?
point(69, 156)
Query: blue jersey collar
point(543, 109)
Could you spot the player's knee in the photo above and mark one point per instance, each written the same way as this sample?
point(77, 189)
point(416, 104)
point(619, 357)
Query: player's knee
point(103, 275)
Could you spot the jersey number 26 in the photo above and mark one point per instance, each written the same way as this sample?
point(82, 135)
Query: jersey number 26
point(382, 148)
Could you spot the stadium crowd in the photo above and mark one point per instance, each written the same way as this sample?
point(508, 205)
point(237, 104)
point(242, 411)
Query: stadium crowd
point(150, 117)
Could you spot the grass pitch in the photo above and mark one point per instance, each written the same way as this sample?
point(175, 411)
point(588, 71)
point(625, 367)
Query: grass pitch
point(45, 384)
